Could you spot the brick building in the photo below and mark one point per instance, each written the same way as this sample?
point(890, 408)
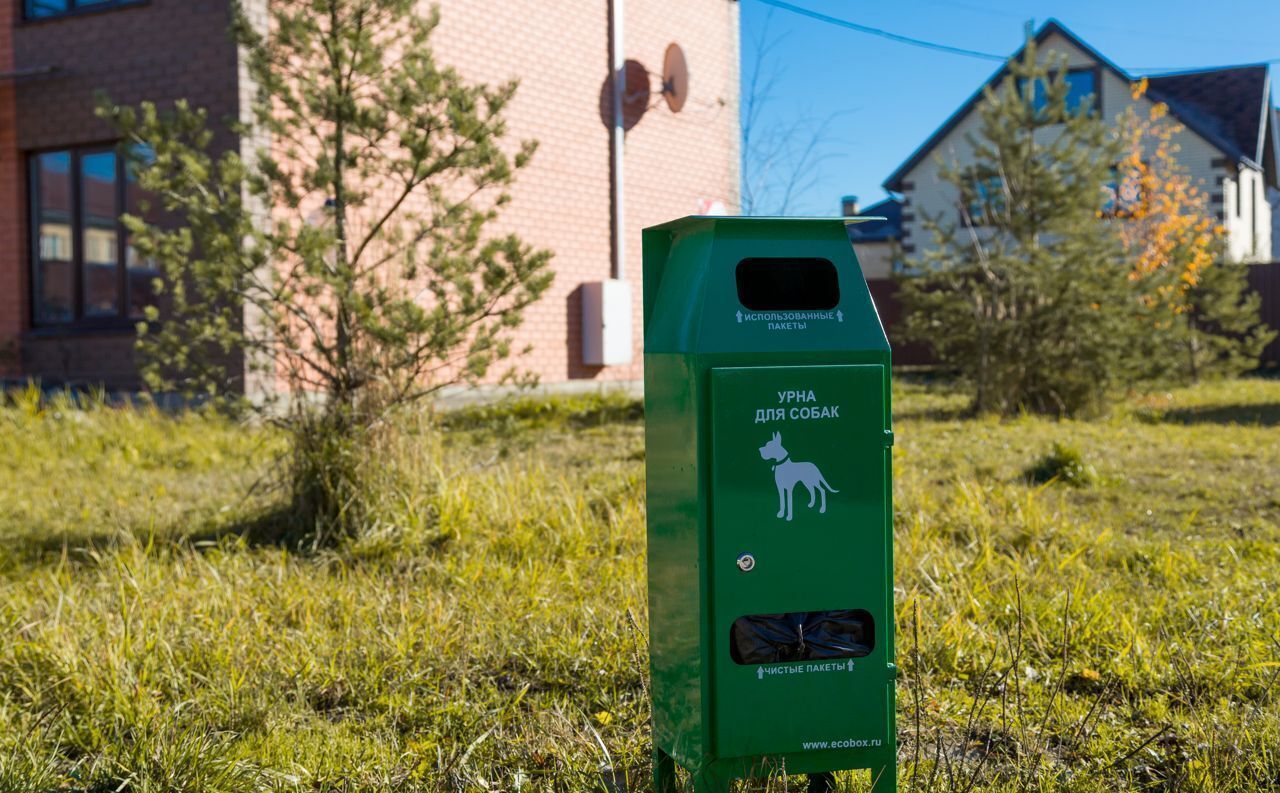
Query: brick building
point(69, 289)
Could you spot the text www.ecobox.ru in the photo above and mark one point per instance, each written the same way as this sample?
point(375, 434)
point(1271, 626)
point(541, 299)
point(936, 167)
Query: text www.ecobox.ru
point(843, 743)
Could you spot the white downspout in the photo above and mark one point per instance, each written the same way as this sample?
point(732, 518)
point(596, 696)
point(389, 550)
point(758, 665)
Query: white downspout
point(607, 305)
point(617, 137)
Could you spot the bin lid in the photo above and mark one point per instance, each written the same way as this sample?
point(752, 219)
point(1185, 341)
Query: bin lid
point(693, 219)
point(756, 284)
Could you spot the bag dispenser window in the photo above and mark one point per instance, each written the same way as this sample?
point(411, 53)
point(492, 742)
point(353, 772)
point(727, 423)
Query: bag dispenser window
point(802, 636)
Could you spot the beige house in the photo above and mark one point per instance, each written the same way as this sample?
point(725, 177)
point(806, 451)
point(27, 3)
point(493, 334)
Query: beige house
point(1228, 143)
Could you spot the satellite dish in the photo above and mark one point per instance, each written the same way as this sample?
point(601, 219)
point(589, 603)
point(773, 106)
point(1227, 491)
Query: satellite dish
point(675, 78)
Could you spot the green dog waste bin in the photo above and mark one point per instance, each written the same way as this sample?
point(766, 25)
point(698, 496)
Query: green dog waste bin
point(769, 519)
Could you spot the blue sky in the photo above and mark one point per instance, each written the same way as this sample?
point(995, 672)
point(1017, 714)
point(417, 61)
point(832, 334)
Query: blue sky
point(873, 101)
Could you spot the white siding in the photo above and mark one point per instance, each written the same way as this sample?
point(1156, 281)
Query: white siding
point(1265, 242)
point(929, 195)
point(876, 259)
point(1247, 216)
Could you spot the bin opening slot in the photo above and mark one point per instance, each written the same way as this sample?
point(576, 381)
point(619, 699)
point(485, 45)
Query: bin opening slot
point(783, 284)
point(802, 636)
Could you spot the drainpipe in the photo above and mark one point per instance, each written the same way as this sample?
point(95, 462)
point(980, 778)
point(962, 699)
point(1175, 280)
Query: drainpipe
point(618, 61)
point(606, 305)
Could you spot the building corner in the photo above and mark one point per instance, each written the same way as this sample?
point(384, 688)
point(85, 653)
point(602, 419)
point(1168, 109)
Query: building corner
point(13, 282)
point(258, 374)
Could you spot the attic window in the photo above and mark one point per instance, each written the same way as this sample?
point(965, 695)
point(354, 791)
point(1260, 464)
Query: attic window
point(1082, 90)
point(984, 200)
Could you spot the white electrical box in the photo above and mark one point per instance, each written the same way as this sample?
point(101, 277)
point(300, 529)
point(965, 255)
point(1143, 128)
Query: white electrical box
point(606, 323)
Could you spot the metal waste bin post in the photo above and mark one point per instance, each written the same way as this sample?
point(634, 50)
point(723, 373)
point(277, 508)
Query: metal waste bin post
point(769, 518)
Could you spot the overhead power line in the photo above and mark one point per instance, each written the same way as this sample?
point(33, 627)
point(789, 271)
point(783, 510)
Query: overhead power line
point(938, 47)
point(844, 23)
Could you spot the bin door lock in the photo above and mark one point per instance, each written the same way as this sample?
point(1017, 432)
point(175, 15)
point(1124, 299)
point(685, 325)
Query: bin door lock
point(746, 563)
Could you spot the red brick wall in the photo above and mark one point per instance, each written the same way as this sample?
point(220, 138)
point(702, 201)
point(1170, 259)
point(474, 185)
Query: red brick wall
point(162, 51)
point(13, 306)
point(559, 49)
point(674, 162)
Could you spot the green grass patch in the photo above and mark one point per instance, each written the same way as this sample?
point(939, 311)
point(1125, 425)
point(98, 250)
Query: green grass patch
point(1062, 464)
point(488, 631)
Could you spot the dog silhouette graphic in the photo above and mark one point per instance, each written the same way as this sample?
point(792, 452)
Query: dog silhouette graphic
point(788, 473)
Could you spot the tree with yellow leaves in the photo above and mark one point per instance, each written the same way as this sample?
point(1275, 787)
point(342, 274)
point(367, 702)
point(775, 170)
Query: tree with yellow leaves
point(1204, 319)
point(1168, 226)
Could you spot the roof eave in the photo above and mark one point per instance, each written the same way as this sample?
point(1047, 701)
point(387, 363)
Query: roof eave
point(1274, 114)
point(1263, 117)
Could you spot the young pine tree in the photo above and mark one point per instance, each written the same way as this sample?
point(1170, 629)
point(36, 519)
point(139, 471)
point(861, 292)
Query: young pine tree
point(350, 260)
point(1221, 332)
point(1025, 291)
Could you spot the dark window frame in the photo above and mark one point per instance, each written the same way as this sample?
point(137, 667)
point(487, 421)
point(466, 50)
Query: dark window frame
point(79, 321)
point(77, 8)
point(982, 198)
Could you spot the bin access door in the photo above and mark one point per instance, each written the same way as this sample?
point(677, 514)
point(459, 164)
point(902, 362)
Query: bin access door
point(798, 550)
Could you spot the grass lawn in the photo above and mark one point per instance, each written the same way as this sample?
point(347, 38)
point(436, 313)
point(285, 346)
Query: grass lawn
point(1119, 633)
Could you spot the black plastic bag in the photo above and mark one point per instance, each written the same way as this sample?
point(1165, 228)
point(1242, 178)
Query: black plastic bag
point(838, 634)
point(801, 636)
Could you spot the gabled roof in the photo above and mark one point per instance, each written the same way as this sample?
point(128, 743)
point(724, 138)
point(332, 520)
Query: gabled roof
point(1224, 106)
point(890, 228)
point(1228, 104)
